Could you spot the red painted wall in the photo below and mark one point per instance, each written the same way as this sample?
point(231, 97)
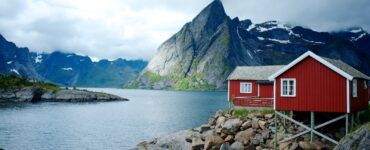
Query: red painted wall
point(251, 99)
point(319, 88)
point(235, 89)
point(266, 90)
point(361, 101)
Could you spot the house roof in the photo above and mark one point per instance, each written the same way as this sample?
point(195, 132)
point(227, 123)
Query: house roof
point(347, 68)
point(336, 65)
point(253, 72)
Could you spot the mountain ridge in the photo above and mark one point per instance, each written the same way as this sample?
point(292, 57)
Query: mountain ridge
point(202, 54)
point(66, 69)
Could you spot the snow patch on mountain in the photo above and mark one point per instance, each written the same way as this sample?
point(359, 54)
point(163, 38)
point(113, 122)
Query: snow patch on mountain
point(67, 69)
point(15, 71)
point(280, 41)
point(314, 42)
point(359, 37)
point(38, 59)
point(356, 30)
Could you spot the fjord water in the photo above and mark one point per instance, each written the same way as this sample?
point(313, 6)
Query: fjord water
point(105, 125)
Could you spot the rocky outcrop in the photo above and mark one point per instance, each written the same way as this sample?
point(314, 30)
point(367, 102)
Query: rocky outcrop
point(358, 140)
point(31, 94)
point(202, 54)
point(226, 132)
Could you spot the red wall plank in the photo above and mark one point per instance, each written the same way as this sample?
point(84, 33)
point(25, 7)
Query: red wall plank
point(266, 90)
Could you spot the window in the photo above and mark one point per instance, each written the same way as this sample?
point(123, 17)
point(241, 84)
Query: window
point(354, 88)
point(288, 87)
point(365, 85)
point(245, 87)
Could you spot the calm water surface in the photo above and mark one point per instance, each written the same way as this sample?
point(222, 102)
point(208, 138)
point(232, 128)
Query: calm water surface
point(109, 125)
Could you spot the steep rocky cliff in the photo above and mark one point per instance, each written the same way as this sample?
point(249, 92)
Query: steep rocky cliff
point(203, 53)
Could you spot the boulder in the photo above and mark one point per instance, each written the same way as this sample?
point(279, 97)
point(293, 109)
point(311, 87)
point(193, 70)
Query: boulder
point(225, 146)
point(269, 116)
point(197, 144)
point(213, 142)
point(229, 138)
point(294, 146)
point(265, 134)
point(318, 145)
point(247, 124)
point(255, 124)
point(262, 124)
point(306, 145)
point(359, 138)
point(244, 136)
point(237, 146)
point(231, 126)
point(257, 139)
point(220, 120)
point(284, 145)
point(211, 121)
point(204, 128)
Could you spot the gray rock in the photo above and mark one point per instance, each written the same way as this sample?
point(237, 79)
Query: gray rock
point(197, 144)
point(358, 140)
point(225, 146)
point(220, 121)
point(169, 142)
point(231, 126)
point(34, 94)
point(213, 142)
point(247, 124)
point(237, 146)
point(244, 136)
point(204, 128)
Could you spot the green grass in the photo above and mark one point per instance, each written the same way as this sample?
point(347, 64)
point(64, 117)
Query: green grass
point(192, 82)
point(242, 112)
point(153, 77)
point(12, 82)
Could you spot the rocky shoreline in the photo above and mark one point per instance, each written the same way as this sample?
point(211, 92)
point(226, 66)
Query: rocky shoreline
point(225, 131)
point(33, 94)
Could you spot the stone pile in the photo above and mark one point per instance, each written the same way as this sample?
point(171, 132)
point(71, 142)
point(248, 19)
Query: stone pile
point(225, 131)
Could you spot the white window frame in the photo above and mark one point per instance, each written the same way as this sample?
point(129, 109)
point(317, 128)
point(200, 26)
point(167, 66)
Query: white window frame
point(354, 88)
point(242, 84)
point(288, 87)
point(365, 85)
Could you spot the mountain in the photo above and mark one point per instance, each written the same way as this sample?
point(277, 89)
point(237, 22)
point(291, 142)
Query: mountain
point(203, 53)
point(66, 69)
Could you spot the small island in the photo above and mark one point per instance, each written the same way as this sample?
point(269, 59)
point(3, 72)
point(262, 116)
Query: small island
point(18, 89)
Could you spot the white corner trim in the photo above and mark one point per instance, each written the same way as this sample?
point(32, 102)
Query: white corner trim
point(274, 94)
point(258, 90)
point(348, 96)
point(228, 90)
point(318, 58)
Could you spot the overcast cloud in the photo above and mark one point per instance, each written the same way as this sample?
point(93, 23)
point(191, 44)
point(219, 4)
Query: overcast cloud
point(135, 28)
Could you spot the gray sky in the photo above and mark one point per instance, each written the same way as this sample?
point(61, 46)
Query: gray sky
point(135, 28)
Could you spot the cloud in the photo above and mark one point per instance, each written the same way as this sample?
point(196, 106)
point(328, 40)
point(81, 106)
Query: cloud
point(322, 15)
point(134, 29)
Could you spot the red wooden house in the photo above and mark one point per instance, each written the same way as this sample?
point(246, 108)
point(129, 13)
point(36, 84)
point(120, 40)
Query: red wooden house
point(316, 84)
point(248, 86)
point(310, 84)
